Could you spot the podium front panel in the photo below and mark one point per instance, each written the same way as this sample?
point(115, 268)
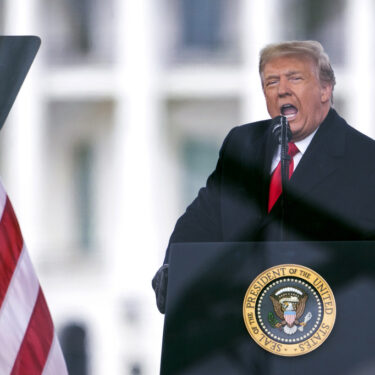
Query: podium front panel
point(204, 329)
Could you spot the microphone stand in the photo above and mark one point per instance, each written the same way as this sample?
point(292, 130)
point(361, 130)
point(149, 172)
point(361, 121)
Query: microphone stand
point(284, 134)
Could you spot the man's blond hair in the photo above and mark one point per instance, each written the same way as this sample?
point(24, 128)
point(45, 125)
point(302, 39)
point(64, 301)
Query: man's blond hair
point(306, 48)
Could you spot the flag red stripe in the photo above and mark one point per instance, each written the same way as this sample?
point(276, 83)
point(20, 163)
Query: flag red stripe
point(27, 330)
point(37, 341)
point(11, 244)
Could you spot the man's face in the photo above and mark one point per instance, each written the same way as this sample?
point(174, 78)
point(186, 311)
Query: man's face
point(292, 88)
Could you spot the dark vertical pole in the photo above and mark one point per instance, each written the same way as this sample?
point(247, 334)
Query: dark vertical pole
point(285, 160)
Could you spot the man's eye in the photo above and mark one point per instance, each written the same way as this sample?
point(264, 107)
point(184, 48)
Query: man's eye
point(296, 78)
point(270, 83)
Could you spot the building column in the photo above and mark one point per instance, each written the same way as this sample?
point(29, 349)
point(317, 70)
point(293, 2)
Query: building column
point(256, 21)
point(135, 244)
point(23, 134)
point(360, 57)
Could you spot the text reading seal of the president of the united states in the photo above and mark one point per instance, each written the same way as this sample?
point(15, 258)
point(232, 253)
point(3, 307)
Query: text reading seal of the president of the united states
point(289, 310)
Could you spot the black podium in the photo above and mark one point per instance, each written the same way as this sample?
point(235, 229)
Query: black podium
point(204, 329)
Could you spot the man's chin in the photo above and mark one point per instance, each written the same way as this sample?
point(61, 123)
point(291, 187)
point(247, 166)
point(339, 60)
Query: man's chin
point(296, 135)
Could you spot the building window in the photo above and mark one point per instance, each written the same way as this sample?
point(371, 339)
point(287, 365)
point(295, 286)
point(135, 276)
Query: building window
point(199, 158)
point(2, 13)
point(78, 31)
point(79, 142)
point(320, 20)
point(205, 29)
point(196, 129)
point(83, 160)
point(201, 24)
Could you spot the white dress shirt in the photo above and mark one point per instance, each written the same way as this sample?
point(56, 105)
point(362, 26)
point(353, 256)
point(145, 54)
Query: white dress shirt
point(302, 147)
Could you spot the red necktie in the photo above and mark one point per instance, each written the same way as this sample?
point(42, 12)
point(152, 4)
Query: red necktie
point(275, 186)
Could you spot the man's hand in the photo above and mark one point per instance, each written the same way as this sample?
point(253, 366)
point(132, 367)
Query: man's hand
point(159, 284)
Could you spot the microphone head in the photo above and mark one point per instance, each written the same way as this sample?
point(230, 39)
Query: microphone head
point(277, 123)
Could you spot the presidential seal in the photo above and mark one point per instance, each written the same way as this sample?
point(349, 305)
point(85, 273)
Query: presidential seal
point(289, 310)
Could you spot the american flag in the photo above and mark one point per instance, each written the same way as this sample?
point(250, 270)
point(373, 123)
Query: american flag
point(28, 341)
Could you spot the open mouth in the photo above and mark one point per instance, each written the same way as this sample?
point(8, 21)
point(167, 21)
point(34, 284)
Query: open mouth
point(289, 111)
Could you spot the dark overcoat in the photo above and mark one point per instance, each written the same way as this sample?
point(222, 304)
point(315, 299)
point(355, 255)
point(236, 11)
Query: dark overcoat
point(330, 196)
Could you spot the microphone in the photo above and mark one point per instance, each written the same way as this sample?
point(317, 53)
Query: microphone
point(283, 134)
point(281, 129)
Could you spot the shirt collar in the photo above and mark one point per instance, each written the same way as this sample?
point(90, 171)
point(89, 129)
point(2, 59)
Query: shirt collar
point(304, 143)
point(302, 147)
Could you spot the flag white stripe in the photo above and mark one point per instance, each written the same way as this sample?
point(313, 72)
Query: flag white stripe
point(3, 199)
point(16, 311)
point(55, 364)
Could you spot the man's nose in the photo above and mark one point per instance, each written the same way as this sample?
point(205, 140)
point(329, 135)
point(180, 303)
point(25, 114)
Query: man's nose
point(284, 87)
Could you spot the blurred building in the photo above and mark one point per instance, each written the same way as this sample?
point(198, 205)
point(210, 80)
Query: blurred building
point(119, 123)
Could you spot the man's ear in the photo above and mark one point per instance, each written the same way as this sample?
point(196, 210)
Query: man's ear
point(326, 92)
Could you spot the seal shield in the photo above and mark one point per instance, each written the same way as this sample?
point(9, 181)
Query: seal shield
point(289, 310)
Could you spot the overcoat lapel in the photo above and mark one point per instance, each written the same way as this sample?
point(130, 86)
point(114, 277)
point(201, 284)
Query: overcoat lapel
point(321, 158)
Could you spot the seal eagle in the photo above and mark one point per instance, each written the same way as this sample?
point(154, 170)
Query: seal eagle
point(289, 305)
